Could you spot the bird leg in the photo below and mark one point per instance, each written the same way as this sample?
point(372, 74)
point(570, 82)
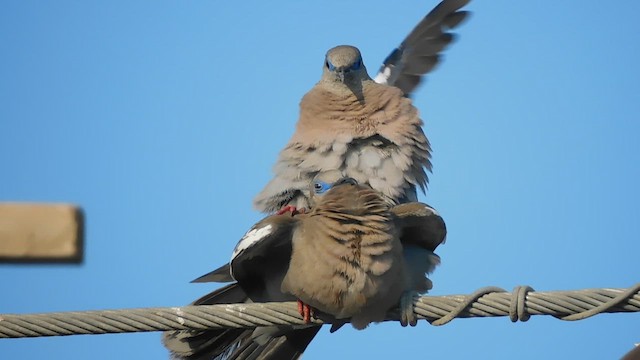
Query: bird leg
point(407, 315)
point(292, 209)
point(305, 311)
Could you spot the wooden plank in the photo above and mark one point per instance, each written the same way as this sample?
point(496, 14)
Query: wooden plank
point(41, 233)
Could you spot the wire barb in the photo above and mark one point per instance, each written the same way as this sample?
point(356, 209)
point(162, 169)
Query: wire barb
point(519, 304)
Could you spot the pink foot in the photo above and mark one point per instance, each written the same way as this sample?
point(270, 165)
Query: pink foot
point(305, 311)
point(292, 209)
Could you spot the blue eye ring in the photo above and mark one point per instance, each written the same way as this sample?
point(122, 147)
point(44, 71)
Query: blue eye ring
point(320, 187)
point(330, 66)
point(356, 65)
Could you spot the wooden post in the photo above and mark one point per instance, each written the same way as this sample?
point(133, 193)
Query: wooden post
point(41, 233)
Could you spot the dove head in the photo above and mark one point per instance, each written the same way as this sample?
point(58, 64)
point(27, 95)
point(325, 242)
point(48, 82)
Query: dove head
point(322, 182)
point(346, 196)
point(343, 64)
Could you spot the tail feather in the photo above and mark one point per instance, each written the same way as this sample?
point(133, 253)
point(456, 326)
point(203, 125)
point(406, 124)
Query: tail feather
point(237, 344)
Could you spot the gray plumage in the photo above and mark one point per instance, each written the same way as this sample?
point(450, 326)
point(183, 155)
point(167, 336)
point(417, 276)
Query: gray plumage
point(258, 264)
point(419, 52)
point(236, 344)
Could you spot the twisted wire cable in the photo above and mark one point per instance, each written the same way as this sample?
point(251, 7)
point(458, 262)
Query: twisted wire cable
point(518, 305)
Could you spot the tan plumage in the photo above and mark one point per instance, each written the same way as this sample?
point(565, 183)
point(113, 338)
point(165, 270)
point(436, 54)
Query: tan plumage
point(368, 129)
point(374, 136)
point(353, 255)
point(348, 122)
point(348, 259)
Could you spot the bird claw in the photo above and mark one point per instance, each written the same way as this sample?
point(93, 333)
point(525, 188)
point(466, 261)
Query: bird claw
point(305, 311)
point(292, 209)
point(407, 315)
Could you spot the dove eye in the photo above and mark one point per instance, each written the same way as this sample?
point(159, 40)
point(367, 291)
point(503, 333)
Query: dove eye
point(330, 65)
point(320, 187)
point(356, 65)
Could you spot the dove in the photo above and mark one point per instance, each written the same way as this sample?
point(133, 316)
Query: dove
point(352, 256)
point(368, 129)
point(381, 144)
point(347, 256)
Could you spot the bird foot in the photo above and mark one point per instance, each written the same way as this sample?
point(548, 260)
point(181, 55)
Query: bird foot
point(407, 315)
point(292, 209)
point(306, 311)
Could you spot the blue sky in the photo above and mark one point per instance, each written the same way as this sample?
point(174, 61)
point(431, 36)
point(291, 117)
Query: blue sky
point(162, 120)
